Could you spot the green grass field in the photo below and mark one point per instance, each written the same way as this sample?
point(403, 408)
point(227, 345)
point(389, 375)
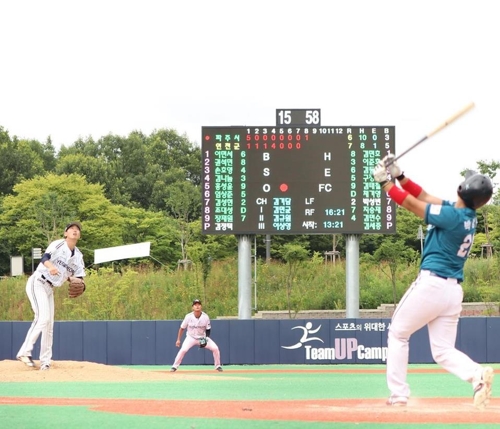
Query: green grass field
point(236, 383)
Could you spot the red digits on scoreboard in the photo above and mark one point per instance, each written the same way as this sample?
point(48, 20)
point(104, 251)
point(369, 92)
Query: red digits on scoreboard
point(289, 143)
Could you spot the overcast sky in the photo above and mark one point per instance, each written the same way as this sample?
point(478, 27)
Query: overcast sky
point(73, 69)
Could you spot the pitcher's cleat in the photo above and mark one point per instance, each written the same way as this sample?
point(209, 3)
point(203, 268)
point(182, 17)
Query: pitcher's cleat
point(397, 401)
point(219, 368)
point(27, 360)
point(482, 388)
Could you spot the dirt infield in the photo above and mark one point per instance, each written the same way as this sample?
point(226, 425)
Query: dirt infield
point(419, 410)
point(428, 410)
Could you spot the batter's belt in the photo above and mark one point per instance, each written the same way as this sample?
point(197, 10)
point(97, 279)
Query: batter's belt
point(433, 274)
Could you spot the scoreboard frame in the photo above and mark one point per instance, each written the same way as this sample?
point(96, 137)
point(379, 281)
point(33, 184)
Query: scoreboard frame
point(295, 178)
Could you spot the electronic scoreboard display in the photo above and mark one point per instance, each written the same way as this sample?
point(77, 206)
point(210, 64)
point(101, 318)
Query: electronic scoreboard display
point(295, 177)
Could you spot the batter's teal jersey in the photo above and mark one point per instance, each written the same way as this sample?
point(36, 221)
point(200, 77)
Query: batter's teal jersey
point(449, 239)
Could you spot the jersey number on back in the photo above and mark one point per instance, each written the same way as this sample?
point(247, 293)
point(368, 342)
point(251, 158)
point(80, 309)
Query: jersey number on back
point(465, 247)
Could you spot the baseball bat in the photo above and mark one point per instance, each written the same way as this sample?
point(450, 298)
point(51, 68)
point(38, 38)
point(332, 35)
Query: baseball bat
point(450, 120)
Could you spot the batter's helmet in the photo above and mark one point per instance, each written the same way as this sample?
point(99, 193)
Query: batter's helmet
point(475, 190)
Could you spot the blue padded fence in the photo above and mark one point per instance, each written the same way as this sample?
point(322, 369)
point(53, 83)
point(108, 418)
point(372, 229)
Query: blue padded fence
point(314, 341)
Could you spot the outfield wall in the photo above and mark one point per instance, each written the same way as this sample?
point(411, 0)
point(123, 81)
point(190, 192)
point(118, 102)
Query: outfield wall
point(253, 342)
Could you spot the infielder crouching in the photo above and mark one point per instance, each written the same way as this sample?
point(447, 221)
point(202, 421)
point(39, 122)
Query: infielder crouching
point(198, 328)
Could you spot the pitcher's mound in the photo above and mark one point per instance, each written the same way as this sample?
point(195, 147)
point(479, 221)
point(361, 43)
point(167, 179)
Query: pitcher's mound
point(16, 371)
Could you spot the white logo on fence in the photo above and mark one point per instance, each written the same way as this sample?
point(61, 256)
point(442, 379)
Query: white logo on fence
point(343, 348)
point(305, 336)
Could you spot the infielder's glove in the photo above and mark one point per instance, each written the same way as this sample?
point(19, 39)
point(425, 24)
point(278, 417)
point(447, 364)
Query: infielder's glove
point(203, 342)
point(76, 287)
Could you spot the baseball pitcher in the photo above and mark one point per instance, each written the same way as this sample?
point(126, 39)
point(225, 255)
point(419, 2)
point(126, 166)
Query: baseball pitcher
point(62, 261)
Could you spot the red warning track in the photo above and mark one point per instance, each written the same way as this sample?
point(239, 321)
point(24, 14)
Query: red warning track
point(428, 410)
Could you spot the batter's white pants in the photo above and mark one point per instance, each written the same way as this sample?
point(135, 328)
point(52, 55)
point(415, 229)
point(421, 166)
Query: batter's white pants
point(437, 303)
point(191, 342)
point(41, 296)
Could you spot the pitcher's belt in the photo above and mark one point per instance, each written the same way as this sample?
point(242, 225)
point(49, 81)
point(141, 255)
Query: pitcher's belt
point(46, 280)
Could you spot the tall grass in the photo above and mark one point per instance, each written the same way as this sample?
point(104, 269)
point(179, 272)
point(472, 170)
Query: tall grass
point(147, 294)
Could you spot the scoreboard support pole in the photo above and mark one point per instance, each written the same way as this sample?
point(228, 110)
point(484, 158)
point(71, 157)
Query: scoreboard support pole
point(242, 197)
point(244, 277)
point(352, 276)
point(268, 248)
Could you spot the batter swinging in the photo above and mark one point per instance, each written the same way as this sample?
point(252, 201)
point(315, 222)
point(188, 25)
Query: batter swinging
point(435, 297)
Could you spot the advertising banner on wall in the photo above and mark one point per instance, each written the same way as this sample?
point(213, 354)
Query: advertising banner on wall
point(333, 341)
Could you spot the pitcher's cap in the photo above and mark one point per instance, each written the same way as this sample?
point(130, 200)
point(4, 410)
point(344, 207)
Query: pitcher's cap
point(196, 301)
point(77, 224)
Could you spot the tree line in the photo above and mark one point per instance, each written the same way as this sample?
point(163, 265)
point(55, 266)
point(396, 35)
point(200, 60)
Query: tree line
point(147, 188)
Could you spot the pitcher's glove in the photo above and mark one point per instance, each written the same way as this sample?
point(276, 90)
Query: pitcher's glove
point(76, 287)
point(203, 342)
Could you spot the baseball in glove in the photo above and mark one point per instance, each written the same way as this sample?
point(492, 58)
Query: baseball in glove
point(76, 287)
point(203, 342)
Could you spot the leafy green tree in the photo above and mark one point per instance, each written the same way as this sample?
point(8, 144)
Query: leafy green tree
point(173, 151)
point(201, 255)
point(495, 227)
point(294, 255)
point(407, 228)
point(486, 213)
point(87, 147)
point(47, 153)
point(136, 170)
point(389, 255)
point(220, 246)
point(183, 201)
point(160, 193)
point(38, 210)
point(139, 225)
point(95, 170)
point(20, 160)
point(322, 243)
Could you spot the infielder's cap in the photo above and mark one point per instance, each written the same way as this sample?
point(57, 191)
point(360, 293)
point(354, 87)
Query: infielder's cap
point(196, 301)
point(69, 225)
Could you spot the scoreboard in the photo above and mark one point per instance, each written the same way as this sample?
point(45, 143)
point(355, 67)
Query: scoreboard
point(295, 177)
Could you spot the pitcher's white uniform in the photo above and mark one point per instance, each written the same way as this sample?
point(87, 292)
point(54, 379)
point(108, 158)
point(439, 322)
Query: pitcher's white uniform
point(196, 329)
point(40, 291)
